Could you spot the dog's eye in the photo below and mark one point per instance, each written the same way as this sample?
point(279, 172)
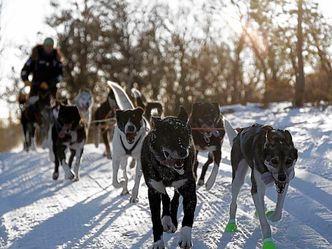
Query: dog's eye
point(166, 154)
point(289, 161)
point(274, 161)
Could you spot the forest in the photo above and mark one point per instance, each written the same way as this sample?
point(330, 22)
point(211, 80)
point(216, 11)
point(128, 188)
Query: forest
point(182, 52)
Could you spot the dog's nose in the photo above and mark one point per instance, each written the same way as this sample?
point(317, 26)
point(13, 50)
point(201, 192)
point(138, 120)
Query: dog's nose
point(282, 177)
point(131, 128)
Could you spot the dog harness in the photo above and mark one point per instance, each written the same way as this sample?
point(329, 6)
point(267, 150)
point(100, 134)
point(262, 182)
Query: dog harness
point(129, 151)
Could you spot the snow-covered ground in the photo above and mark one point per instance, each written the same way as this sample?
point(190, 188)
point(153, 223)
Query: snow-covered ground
point(37, 212)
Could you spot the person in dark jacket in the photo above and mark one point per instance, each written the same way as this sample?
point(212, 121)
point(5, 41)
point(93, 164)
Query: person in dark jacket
point(46, 68)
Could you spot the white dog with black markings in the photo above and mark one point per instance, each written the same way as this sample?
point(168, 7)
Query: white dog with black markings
point(129, 133)
point(67, 133)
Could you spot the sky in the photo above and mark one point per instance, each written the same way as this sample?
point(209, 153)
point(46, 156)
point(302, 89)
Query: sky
point(23, 23)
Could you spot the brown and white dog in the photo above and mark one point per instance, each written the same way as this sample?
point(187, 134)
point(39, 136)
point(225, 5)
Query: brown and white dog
point(271, 156)
point(103, 122)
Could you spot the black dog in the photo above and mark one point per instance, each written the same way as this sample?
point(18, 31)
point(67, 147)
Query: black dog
point(168, 156)
point(208, 134)
point(104, 123)
point(67, 132)
point(35, 113)
point(147, 106)
point(271, 155)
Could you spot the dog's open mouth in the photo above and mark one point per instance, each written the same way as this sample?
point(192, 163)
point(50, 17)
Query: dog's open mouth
point(130, 136)
point(280, 186)
point(178, 166)
point(178, 163)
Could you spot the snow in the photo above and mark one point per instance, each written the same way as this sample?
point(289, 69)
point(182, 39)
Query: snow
point(37, 212)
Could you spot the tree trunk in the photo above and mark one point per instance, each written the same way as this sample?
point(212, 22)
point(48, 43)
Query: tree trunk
point(299, 84)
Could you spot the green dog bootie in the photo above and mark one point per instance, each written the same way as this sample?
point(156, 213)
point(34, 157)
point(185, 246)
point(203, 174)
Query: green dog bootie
point(269, 244)
point(231, 226)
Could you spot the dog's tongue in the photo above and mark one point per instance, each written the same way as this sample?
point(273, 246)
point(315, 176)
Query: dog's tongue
point(62, 134)
point(130, 136)
point(63, 130)
point(178, 163)
point(178, 166)
point(280, 186)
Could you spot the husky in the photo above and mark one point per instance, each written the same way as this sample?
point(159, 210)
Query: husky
point(168, 157)
point(129, 133)
point(271, 156)
point(84, 102)
point(208, 134)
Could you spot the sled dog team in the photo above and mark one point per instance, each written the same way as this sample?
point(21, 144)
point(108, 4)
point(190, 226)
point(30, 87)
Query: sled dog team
point(164, 151)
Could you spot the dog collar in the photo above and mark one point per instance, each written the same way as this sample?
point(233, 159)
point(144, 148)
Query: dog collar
point(129, 151)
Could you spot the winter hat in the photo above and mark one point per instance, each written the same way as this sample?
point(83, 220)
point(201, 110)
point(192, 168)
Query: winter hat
point(48, 42)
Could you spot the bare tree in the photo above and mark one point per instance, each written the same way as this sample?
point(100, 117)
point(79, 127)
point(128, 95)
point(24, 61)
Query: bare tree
point(300, 81)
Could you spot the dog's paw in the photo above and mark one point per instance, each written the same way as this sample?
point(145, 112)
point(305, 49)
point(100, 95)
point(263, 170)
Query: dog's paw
point(158, 244)
point(185, 238)
point(124, 192)
point(55, 175)
point(231, 227)
point(133, 200)
point(168, 225)
point(268, 243)
point(273, 216)
point(70, 175)
point(76, 179)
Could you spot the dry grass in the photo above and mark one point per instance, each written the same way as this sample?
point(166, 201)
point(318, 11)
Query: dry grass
point(10, 135)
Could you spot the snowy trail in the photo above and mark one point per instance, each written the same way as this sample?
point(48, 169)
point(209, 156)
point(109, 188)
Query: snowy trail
point(37, 212)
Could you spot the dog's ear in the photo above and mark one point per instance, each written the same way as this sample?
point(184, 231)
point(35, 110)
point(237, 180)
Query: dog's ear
point(76, 116)
point(216, 105)
point(270, 138)
point(183, 115)
point(195, 108)
point(139, 111)
point(288, 137)
point(118, 114)
point(155, 122)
